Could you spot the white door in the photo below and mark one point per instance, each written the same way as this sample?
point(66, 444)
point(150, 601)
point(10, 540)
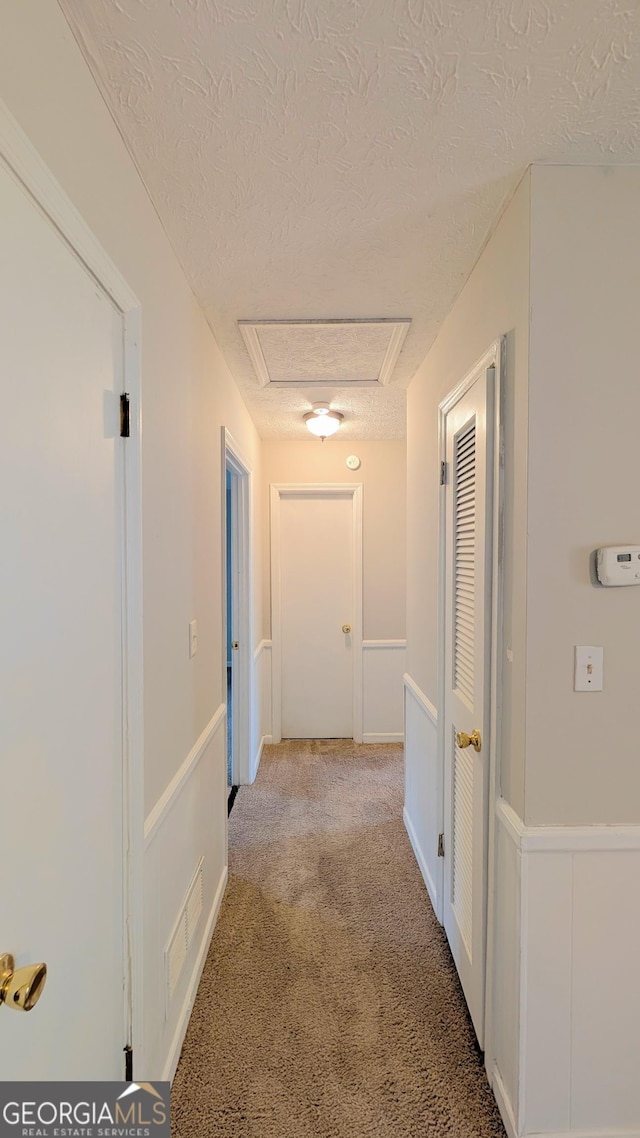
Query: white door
point(468, 496)
point(239, 655)
point(317, 601)
point(61, 714)
point(231, 552)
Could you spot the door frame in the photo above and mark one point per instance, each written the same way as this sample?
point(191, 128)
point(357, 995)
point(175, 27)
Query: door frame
point(233, 458)
point(280, 490)
point(22, 161)
point(493, 357)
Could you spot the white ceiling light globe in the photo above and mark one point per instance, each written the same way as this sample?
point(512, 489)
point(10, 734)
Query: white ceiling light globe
point(323, 425)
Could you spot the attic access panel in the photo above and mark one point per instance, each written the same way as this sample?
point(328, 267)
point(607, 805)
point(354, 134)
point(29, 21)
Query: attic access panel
point(324, 353)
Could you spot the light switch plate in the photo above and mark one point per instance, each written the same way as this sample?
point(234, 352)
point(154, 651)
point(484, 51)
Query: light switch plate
point(193, 638)
point(589, 668)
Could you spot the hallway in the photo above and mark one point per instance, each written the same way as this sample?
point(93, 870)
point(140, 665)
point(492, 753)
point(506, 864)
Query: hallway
point(329, 1004)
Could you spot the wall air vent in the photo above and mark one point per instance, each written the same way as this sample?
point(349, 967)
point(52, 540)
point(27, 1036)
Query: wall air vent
point(324, 353)
point(183, 934)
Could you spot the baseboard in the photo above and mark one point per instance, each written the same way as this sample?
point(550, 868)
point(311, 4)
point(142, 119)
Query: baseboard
point(390, 737)
point(420, 858)
point(582, 1134)
point(185, 1012)
point(503, 1101)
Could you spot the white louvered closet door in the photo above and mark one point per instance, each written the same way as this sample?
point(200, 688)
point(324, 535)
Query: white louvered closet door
point(467, 672)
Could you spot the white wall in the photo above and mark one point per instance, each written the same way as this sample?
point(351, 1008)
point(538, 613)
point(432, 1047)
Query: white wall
point(383, 477)
point(494, 302)
point(559, 277)
point(187, 394)
point(568, 915)
point(582, 759)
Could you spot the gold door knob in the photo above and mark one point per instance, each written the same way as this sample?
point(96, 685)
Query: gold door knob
point(473, 740)
point(21, 988)
point(346, 628)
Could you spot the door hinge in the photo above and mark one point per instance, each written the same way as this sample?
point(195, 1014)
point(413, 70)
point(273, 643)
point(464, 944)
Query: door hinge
point(440, 845)
point(443, 474)
point(128, 1063)
point(125, 416)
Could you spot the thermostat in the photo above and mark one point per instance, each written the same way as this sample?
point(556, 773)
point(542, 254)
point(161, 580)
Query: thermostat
point(353, 462)
point(618, 565)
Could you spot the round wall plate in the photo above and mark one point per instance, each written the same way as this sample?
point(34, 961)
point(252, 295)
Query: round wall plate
point(353, 462)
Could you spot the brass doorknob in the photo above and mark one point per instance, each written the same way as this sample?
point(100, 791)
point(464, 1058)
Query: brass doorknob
point(346, 628)
point(21, 988)
point(473, 740)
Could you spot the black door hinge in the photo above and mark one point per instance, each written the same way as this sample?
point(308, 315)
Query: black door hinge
point(443, 474)
point(440, 845)
point(125, 416)
point(128, 1063)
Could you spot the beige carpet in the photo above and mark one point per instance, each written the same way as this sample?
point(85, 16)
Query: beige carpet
point(329, 1006)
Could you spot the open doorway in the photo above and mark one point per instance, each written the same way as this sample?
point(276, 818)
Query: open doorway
point(237, 615)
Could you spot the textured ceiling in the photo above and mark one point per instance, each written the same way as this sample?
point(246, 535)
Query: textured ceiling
point(347, 158)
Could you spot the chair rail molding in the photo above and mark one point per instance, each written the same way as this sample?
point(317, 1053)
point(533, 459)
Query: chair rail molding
point(170, 795)
point(425, 703)
point(369, 645)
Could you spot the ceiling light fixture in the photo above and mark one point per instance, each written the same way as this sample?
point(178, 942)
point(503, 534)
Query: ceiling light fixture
point(322, 421)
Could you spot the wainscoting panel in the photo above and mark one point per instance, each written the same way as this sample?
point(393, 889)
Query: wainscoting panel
point(423, 792)
point(605, 1045)
point(506, 973)
point(383, 663)
point(261, 688)
point(546, 892)
point(188, 826)
point(576, 1003)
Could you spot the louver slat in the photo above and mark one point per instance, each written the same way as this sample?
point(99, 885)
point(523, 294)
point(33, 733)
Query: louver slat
point(464, 522)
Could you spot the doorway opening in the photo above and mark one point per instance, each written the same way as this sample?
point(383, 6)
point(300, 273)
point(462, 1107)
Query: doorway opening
point(237, 614)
